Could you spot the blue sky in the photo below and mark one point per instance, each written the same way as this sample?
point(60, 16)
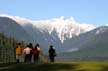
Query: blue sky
point(84, 11)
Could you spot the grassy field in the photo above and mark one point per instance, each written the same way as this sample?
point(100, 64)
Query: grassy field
point(58, 66)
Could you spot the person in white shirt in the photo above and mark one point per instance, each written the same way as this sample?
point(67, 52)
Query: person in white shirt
point(27, 52)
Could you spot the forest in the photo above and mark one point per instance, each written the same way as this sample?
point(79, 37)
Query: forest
point(7, 49)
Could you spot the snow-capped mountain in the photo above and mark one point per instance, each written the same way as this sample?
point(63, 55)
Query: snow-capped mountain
point(58, 32)
point(73, 41)
point(90, 46)
point(63, 28)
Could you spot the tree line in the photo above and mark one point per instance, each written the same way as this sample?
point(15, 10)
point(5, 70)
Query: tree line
point(7, 49)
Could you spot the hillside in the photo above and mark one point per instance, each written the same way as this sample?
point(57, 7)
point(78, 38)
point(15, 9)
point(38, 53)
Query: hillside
point(7, 49)
point(94, 47)
point(12, 29)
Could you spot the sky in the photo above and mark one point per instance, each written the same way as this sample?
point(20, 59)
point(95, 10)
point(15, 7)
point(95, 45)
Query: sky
point(84, 11)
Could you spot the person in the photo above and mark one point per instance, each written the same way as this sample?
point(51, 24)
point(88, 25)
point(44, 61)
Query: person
point(52, 53)
point(18, 52)
point(27, 51)
point(31, 52)
point(36, 52)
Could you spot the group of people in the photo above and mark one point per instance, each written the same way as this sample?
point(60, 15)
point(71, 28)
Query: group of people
point(29, 51)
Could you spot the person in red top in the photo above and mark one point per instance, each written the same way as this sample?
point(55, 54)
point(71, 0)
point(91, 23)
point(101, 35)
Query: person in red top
point(36, 52)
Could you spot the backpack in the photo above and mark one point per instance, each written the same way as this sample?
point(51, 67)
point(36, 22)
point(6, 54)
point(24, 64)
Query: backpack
point(36, 52)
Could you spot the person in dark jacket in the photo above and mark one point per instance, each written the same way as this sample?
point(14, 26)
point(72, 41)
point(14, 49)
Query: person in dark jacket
point(52, 53)
point(31, 47)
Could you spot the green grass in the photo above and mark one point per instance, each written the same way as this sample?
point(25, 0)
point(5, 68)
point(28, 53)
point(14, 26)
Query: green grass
point(58, 66)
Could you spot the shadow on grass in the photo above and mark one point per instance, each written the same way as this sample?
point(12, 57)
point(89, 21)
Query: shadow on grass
point(38, 67)
point(104, 68)
point(83, 70)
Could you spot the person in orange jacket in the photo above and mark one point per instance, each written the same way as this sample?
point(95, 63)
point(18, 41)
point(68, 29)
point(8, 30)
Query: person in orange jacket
point(18, 52)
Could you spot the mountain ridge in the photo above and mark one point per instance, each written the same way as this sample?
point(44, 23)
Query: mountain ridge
point(64, 34)
point(65, 28)
point(10, 28)
point(94, 47)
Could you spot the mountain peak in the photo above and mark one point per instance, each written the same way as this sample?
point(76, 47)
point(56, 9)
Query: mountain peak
point(65, 28)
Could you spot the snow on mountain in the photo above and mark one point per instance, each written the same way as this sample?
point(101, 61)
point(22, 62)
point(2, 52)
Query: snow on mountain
point(20, 20)
point(65, 28)
point(102, 29)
